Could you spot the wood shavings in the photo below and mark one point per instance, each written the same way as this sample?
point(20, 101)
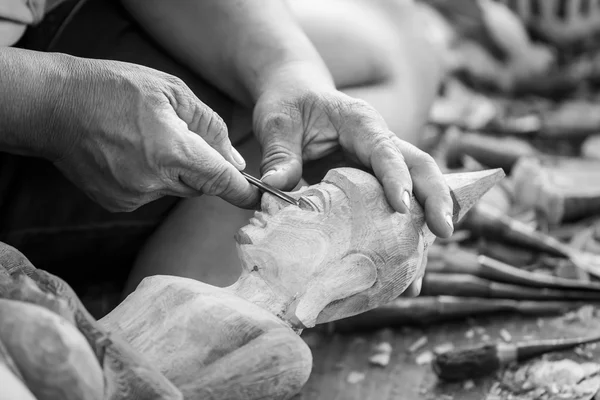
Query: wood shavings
point(424, 358)
point(355, 377)
point(584, 352)
point(539, 322)
point(418, 344)
point(442, 348)
point(583, 315)
point(505, 335)
point(549, 380)
point(382, 355)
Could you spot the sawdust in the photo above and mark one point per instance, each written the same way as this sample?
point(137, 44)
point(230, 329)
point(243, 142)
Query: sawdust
point(424, 358)
point(382, 354)
point(548, 380)
point(355, 377)
point(418, 344)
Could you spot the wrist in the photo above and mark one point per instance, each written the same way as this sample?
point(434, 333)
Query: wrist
point(33, 84)
point(290, 64)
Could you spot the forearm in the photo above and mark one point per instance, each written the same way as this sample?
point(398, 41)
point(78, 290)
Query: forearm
point(30, 84)
point(242, 46)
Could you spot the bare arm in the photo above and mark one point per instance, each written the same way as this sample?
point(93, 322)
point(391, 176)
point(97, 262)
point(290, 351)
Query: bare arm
point(240, 46)
point(29, 82)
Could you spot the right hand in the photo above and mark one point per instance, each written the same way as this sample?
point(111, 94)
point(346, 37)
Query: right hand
point(127, 135)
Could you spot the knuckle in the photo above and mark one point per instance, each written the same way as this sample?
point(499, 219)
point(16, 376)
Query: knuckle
point(428, 160)
point(383, 145)
point(218, 183)
point(215, 127)
point(274, 123)
point(275, 153)
point(175, 81)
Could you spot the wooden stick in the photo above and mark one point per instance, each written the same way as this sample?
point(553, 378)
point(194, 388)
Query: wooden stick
point(457, 261)
point(489, 222)
point(436, 284)
point(427, 310)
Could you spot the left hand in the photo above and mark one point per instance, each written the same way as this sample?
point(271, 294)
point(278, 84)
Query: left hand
point(296, 125)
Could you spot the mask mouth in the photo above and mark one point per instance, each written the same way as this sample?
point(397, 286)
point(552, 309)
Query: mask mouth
point(242, 237)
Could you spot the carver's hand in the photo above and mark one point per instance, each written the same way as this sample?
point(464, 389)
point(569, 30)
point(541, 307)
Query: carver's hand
point(127, 135)
point(297, 124)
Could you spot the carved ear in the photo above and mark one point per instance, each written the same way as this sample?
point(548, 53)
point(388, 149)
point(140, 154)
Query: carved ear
point(353, 274)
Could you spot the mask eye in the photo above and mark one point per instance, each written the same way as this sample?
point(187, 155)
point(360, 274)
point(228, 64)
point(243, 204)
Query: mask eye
point(307, 204)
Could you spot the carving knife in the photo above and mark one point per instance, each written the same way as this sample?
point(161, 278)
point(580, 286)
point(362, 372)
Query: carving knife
point(270, 189)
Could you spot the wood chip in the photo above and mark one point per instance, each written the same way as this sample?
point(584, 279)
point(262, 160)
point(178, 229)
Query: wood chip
point(418, 344)
point(468, 385)
point(382, 355)
point(505, 335)
point(354, 377)
point(424, 358)
point(442, 348)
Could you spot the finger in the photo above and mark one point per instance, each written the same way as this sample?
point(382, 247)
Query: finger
point(414, 289)
point(430, 189)
point(281, 143)
point(202, 120)
point(206, 171)
point(389, 166)
point(368, 138)
point(180, 189)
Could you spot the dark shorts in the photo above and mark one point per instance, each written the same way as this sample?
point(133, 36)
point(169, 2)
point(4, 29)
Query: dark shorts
point(45, 216)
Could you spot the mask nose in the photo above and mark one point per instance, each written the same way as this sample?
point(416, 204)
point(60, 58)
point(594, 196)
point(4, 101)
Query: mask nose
point(271, 204)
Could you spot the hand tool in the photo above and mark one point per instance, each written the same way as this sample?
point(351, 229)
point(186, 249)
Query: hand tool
point(436, 284)
point(484, 359)
point(487, 221)
point(270, 189)
point(459, 261)
point(427, 310)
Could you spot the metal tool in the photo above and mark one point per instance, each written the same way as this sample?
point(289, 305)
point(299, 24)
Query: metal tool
point(270, 189)
point(484, 359)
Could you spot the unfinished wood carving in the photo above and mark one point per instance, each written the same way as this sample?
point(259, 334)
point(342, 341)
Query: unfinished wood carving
point(343, 252)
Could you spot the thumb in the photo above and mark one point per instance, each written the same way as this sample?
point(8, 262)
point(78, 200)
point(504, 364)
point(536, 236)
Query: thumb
point(281, 144)
point(206, 123)
point(208, 172)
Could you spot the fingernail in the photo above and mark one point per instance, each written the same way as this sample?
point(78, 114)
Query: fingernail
point(449, 222)
point(238, 157)
point(418, 286)
point(268, 173)
point(406, 199)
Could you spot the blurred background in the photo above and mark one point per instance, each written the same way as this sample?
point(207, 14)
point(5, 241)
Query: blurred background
point(520, 92)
